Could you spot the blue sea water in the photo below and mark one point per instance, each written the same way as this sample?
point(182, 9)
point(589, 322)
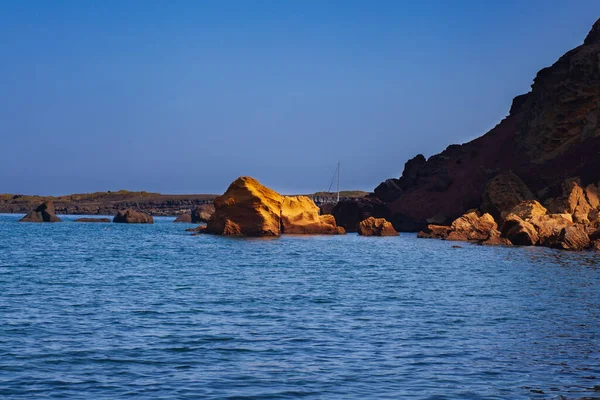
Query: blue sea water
point(105, 311)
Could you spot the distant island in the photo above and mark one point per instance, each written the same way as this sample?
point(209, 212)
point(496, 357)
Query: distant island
point(110, 203)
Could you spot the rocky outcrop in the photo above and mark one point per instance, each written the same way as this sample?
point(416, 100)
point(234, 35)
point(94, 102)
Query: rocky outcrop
point(130, 216)
point(92, 220)
point(43, 213)
point(550, 133)
point(248, 208)
point(472, 226)
point(376, 227)
point(200, 214)
point(435, 232)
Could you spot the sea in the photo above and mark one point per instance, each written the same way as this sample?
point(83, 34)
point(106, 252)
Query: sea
point(109, 311)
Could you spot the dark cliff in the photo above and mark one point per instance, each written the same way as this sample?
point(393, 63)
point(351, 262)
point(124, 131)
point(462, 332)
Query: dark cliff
point(551, 133)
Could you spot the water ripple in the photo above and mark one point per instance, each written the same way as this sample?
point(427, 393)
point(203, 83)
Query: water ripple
point(107, 311)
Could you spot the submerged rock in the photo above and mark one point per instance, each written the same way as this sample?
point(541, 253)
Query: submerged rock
point(43, 213)
point(92, 220)
point(435, 232)
point(376, 227)
point(130, 216)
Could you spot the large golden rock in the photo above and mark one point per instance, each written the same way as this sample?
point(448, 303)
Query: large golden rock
point(376, 227)
point(248, 208)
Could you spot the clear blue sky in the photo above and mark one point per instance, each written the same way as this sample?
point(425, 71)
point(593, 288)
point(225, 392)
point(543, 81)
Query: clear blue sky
point(184, 96)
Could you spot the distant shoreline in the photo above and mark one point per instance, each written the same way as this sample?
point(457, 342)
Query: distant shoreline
point(109, 203)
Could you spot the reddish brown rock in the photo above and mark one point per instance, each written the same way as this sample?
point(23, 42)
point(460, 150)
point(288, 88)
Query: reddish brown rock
point(202, 213)
point(571, 238)
point(43, 213)
point(376, 227)
point(519, 232)
point(435, 232)
point(184, 218)
point(92, 220)
point(130, 216)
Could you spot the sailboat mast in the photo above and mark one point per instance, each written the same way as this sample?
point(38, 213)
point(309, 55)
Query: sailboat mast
point(338, 185)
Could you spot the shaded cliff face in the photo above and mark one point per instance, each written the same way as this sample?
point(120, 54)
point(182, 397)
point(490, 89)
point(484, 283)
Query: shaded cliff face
point(551, 133)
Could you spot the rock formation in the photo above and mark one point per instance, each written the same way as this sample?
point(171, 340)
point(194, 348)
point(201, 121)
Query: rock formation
point(184, 218)
point(130, 216)
point(200, 214)
point(376, 227)
point(92, 220)
point(551, 133)
point(248, 208)
point(473, 226)
point(43, 213)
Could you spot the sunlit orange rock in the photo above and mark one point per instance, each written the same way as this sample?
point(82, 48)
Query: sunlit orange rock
point(249, 208)
point(246, 208)
point(376, 227)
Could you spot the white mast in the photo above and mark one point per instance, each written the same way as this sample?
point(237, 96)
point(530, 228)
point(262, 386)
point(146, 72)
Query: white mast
point(338, 185)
